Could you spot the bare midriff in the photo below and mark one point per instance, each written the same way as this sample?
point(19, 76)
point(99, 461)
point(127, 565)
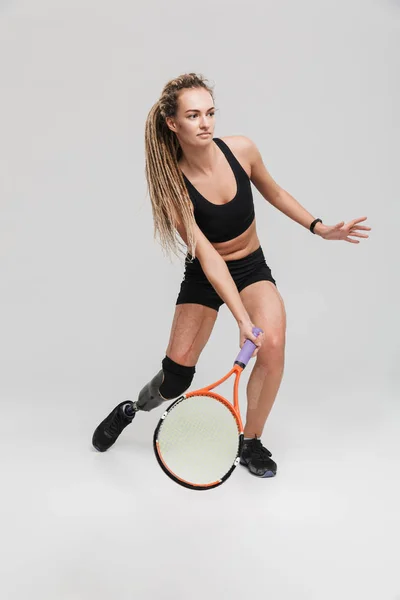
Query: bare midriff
point(241, 246)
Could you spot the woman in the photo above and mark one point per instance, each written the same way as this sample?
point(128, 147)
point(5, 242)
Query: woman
point(200, 192)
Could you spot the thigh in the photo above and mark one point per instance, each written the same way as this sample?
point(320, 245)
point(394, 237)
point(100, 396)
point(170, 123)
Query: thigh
point(191, 328)
point(266, 309)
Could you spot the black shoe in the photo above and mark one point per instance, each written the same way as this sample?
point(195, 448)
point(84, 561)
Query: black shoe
point(108, 431)
point(258, 459)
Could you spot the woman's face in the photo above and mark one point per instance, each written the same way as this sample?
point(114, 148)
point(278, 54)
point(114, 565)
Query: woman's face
point(195, 116)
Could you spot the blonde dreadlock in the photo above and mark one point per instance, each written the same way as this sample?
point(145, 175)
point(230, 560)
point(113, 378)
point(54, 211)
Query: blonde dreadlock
point(170, 200)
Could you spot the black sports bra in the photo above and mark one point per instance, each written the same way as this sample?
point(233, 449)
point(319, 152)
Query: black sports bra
point(223, 222)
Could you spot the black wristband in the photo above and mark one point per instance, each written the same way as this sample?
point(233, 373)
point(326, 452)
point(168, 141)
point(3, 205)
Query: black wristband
point(313, 224)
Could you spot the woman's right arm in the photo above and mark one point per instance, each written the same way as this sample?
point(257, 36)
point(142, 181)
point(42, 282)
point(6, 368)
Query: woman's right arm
point(218, 275)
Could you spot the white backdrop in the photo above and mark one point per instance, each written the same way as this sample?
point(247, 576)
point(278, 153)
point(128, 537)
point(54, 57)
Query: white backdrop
point(86, 295)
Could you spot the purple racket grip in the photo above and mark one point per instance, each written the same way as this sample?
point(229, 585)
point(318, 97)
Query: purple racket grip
point(247, 349)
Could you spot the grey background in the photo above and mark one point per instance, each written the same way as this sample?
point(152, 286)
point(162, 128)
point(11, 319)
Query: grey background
point(87, 300)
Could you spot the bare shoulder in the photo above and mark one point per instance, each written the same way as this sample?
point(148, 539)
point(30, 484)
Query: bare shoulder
point(243, 148)
point(239, 142)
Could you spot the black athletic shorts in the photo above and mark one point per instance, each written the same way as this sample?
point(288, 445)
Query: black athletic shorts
point(195, 287)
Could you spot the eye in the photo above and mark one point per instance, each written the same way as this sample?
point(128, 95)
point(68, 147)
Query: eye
point(195, 115)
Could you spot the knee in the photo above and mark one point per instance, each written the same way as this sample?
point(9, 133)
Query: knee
point(177, 378)
point(272, 351)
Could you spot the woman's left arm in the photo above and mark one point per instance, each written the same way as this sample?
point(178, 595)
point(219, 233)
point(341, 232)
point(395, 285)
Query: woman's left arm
point(289, 206)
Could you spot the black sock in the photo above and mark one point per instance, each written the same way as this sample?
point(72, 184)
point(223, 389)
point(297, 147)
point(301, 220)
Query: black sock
point(177, 378)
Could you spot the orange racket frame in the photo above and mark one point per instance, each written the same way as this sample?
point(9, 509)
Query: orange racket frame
point(234, 408)
point(237, 369)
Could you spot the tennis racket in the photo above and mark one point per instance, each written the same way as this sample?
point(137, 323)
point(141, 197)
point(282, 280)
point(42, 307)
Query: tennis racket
point(199, 438)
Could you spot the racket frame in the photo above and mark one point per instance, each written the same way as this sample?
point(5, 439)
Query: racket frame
point(237, 369)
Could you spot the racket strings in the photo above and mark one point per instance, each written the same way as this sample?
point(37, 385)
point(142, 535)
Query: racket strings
point(198, 439)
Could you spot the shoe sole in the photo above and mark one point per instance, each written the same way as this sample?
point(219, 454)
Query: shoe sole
point(99, 448)
point(267, 474)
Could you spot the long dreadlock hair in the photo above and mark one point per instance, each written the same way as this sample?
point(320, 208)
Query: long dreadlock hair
point(168, 194)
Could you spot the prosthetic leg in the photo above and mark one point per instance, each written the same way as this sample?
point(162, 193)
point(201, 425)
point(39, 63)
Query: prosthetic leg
point(170, 382)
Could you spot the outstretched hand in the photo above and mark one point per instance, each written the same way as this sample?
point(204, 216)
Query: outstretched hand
point(342, 231)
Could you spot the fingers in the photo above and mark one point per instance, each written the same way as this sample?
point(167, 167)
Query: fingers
point(353, 224)
point(360, 235)
point(257, 343)
point(258, 346)
point(247, 334)
point(354, 221)
point(256, 349)
point(352, 241)
point(257, 340)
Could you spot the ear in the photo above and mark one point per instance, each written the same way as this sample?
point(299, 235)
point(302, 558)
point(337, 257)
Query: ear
point(171, 124)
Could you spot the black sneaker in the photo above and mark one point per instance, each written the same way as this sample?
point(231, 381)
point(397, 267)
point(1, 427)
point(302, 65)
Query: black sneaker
point(108, 431)
point(257, 459)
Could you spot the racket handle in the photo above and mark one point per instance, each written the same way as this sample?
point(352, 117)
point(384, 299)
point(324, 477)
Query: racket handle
point(247, 350)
